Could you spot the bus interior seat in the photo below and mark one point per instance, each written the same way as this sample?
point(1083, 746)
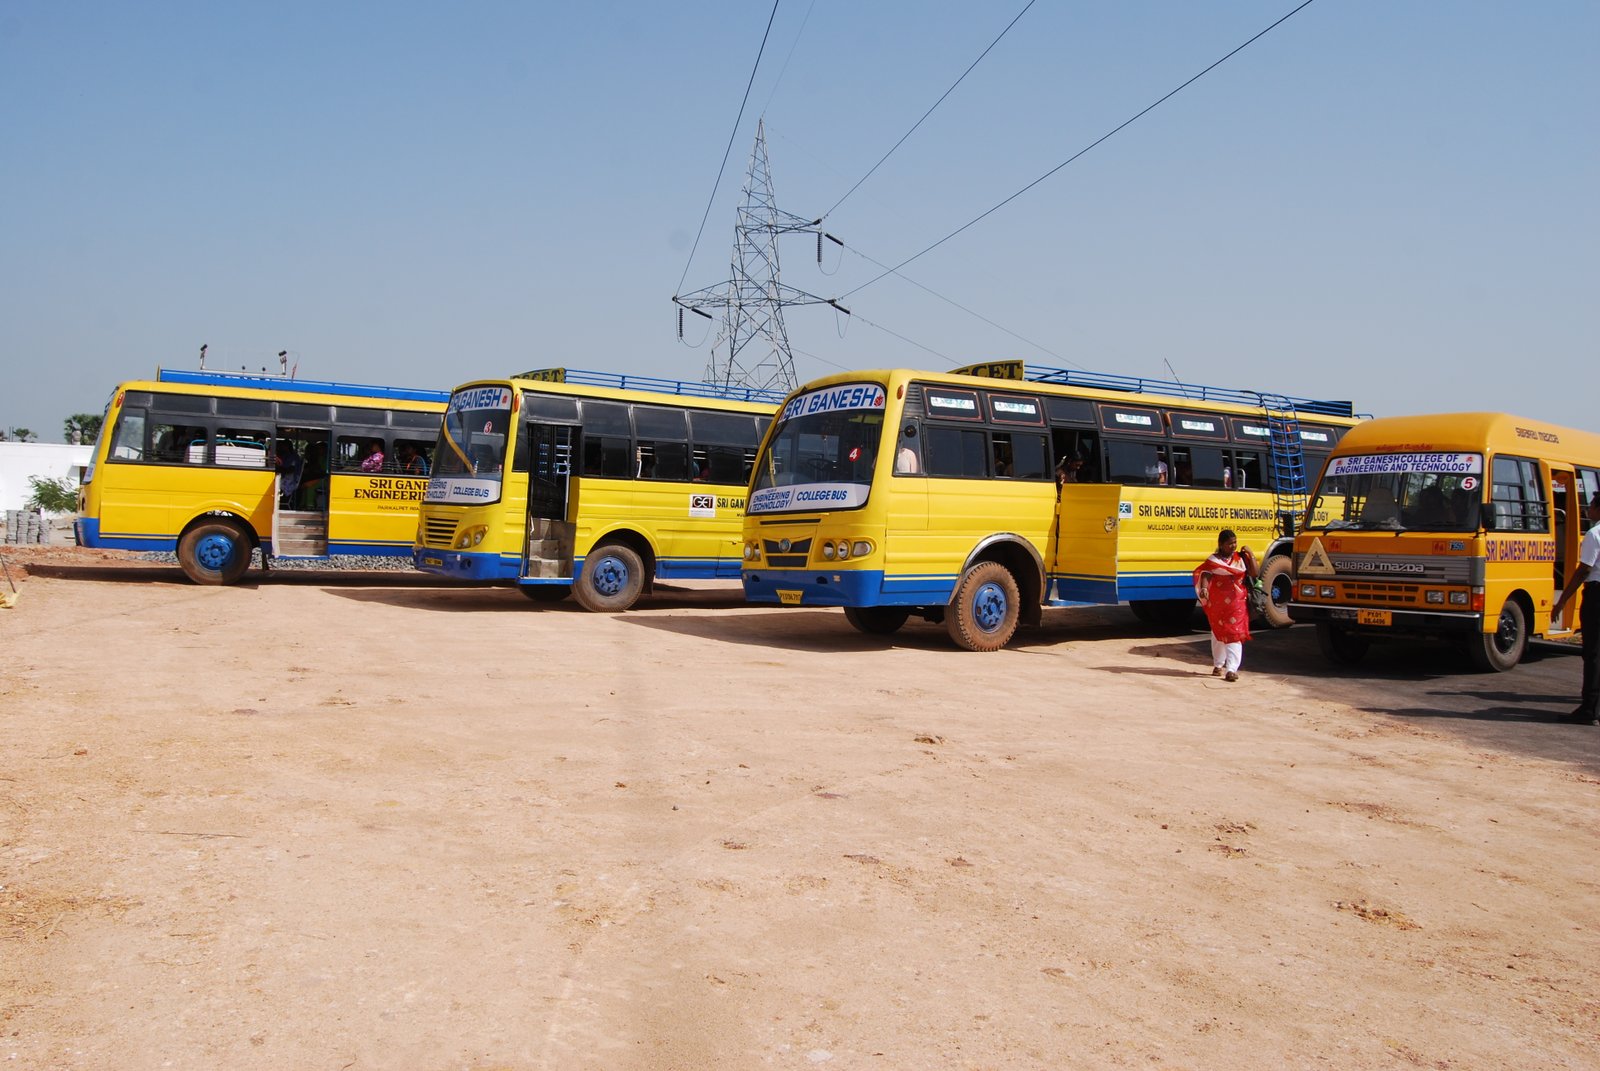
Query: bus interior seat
point(1380, 507)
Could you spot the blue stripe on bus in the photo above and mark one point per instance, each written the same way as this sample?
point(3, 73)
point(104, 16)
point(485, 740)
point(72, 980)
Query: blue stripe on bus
point(862, 587)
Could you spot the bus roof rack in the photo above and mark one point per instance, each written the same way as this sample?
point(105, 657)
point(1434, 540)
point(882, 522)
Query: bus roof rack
point(620, 381)
point(268, 381)
point(1195, 391)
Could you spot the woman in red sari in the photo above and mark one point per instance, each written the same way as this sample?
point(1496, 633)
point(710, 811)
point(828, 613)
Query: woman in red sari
point(1221, 582)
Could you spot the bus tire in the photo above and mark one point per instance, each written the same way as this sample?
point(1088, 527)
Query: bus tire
point(214, 552)
point(1341, 646)
point(1498, 651)
point(877, 620)
point(612, 578)
point(985, 609)
point(1277, 577)
point(545, 592)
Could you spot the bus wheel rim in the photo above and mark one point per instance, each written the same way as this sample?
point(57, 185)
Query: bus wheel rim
point(610, 576)
point(214, 551)
point(989, 607)
point(1505, 637)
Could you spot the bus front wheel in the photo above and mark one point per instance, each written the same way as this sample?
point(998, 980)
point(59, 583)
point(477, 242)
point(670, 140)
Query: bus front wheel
point(215, 552)
point(876, 620)
point(545, 592)
point(612, 578)
point(1339, 645)
point(1277, 578)
point(983, 614)
point(1498, 651)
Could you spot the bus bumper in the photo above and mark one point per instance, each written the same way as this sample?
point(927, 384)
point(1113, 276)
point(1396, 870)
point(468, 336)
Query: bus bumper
point(1419, 622)
point(816, 587)
point(464, 565)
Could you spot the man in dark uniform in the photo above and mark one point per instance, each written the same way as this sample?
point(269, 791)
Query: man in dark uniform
point(1587, 576)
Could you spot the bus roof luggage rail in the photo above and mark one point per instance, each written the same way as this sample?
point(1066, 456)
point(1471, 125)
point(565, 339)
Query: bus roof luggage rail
point(1172, 388)
point(305, 386)
point(654, 384)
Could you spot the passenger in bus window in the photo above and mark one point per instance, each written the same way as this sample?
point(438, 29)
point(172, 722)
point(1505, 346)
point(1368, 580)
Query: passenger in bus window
point(907, 462)
point(411, 462)
point(372, 460)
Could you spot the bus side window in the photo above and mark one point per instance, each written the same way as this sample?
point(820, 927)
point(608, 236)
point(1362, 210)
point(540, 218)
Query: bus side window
point(956, 451)
point(1210, 467)
point(241, 448)
point(180, 443)
point(129, 442)
point(1246, 473)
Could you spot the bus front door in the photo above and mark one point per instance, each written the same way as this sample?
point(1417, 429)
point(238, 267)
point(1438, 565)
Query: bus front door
point(547, 549)
point(300, 516)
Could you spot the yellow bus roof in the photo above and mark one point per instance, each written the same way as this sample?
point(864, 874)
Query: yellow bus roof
point(895, 376)
point(1472, 433)
point(630, 394)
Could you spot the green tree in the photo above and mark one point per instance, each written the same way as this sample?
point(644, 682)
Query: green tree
point(53, 495)
point(22, 435)
point(81, 428)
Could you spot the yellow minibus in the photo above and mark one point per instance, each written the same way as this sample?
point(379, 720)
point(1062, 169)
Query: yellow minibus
point(1462, 526)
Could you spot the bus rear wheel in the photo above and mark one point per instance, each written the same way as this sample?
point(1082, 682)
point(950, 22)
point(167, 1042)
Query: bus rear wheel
point(1277, 577)
point(1341, 646)
point(1498, 651)
point(876, 620)
point(612, 578)
point(983, 614)
point(215, 552)
point(545, 592)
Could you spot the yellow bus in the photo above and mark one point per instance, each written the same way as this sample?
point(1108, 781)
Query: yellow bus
point(614, 481)
point(899, 493)
point(215, 465)
point(1458, 525)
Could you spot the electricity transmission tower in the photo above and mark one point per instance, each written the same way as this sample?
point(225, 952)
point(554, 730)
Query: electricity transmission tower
point(752, 348)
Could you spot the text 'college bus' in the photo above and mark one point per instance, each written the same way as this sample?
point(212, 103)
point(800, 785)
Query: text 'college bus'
point(214, 466)
point(893, 493)
point(1461, 525)
point(590, 484)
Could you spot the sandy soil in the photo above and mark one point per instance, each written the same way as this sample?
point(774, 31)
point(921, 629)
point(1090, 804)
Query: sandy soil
point(306, 824)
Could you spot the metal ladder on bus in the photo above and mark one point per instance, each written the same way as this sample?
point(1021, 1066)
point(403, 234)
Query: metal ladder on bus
point(1288, 462)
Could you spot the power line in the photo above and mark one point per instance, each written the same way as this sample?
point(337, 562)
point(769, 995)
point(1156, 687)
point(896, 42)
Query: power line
point(970, 312)
point(731, 135)
point(1103, 138)
point(930, 111)
point(785, 68)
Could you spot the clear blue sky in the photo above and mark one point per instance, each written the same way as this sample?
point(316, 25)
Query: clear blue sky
point(1382, 200)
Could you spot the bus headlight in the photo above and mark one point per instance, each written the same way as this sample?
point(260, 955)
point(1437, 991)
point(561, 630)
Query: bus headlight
point(1434, 597)
point(1458, 598)
point(1308, 591)
point(1327, 591)
point(471, 537)
point(844, 550)
point(827, 551)
point(860, 548)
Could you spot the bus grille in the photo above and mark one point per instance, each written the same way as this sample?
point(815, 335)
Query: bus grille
point(1374, 592)
point(790, 557)
point(439, 532)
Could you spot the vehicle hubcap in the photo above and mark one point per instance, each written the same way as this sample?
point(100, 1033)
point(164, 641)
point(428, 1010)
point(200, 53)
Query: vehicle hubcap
point(610, 576)
point(989, 607)
point(215, 552)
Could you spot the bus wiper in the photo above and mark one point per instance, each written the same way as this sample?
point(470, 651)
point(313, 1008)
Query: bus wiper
point(449, 438)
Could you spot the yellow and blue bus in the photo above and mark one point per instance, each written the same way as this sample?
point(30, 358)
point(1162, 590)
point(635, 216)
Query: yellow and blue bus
point(1460, 526)
point(215, 466)
point(591, 484)
point(978, 499)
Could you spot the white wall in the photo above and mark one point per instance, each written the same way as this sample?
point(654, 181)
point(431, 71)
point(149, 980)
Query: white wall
point(19, 461)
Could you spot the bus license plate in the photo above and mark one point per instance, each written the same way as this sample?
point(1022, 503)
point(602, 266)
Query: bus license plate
point(1374, 617)
point(432, 561)
point(790, 598)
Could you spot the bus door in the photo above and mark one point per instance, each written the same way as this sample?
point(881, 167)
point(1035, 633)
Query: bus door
point(300, 516)
point(1084, 538)
point(547, 549)
point(1568, 501)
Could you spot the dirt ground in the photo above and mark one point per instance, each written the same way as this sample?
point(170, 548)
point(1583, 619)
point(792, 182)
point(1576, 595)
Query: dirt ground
point(314, 824)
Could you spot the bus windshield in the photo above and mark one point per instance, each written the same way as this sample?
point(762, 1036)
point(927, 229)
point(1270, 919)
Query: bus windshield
point(471, 452)
point(1433, 492)
point(822, 454)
